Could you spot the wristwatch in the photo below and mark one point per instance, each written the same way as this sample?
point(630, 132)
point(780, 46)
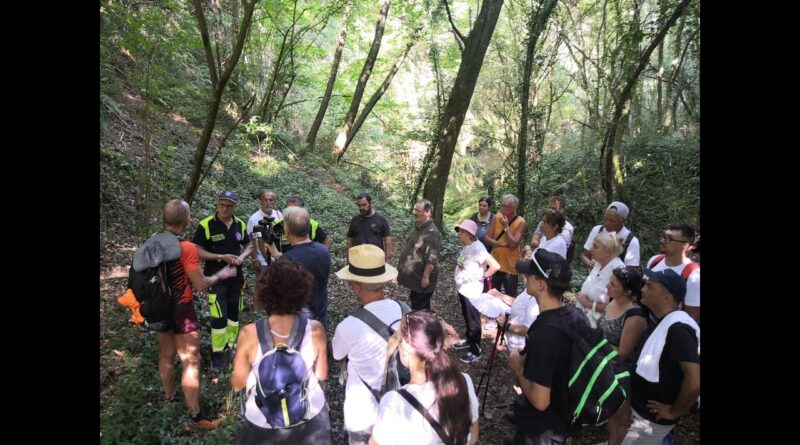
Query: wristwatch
point(505, 230)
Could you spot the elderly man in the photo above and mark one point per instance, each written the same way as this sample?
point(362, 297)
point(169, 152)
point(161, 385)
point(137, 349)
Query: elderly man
point(315, 257)
point(505, 237)
point(369, 227)
point(667, 379)
point(418, 268)
point(267, 199)
point(614, 221)
point(223, 233)
point(360, 348)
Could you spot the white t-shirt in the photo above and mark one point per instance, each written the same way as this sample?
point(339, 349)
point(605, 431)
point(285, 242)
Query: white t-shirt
point(555, 245)
point(523, 313)
point(400, 423)
point(470, 268)
point(692, 284)
point(567, 232)
point(631, 256)
point(594, 287)
point(365, 350)
point(253, 221)
point(316, 396)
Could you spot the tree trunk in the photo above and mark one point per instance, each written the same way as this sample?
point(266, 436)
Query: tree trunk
point(376, 96)
point(311, 139)
point(536, 23)
point(610, 138)
point(218, 87)
point(458, 103)
point(366, 71)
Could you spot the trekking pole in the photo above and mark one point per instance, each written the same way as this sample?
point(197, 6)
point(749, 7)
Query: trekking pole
point(487, 370)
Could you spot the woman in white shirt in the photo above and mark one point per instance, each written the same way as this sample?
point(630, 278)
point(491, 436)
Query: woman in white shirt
point(551, 239)
point(593, 298)
point(447, 407)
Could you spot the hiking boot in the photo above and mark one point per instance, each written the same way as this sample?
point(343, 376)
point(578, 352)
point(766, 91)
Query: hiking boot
point(201, 422)
point(463, 344)
point(469, 357)
point(219, 361)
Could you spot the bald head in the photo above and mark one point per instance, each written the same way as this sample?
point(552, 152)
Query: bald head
point(297, 221)
point(176, 212)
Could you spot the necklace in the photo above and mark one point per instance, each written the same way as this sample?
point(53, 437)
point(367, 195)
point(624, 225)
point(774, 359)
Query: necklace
point(279, 335)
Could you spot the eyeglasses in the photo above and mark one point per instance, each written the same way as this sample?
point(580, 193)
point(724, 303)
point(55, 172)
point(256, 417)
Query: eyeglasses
point(668, 238)
point(226, 206)
point(533, 258)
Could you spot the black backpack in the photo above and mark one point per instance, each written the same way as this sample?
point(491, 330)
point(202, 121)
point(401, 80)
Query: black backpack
point(594, 390)
point(282, 376)
point(149, 279)
point(395, 374)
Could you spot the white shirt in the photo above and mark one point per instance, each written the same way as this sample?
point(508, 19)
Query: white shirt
point(692, 283)
point(594, 287)
point(631, 256)
point(555, 245)
point(470, 268)
point(567, 231)
point(399, 423)
point(365, 350)
point(523, 313)
point(253, 221)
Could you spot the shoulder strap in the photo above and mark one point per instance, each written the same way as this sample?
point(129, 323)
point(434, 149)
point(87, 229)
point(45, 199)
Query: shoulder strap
point(298, 331)
point(418, 406)
point(374, 322)
point(626, 244)
point(657, 260)
point(262, 328)
point(689, 269)
point(503, 232)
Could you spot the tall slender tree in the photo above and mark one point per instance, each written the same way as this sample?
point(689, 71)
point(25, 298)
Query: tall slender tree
point(473, 49)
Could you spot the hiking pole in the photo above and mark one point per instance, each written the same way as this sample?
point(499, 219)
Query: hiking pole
point(487, 370)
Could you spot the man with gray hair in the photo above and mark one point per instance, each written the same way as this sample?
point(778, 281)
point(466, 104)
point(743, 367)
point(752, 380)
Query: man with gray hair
point(614, 221)
point(315, 257)
point(357, 345)
point(417, 269)
point(505, 237)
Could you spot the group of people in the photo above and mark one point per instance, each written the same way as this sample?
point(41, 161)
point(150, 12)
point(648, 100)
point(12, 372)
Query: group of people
point(652, 321)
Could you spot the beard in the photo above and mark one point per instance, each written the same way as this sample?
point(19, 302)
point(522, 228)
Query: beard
point(365, 212)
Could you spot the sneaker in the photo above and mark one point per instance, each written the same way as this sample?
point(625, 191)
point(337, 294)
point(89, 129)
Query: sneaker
point(490, 325)
point(219, 361)
point(469, 357)
point(463, 344)
point(199, 421)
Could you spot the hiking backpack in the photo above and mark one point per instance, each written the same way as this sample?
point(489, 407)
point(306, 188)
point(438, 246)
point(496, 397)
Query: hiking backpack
point(149, 279)
point(282, 376)
point(594, 392)
point(395, 374)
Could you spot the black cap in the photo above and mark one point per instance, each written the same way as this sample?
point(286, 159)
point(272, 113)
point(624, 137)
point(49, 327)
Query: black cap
point(548, 265)
point(674, 283)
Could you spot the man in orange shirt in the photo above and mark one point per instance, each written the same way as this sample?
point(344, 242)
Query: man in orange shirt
point(505, 237)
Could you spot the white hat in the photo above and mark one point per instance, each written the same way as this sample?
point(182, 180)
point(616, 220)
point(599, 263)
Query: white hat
point(367, 264)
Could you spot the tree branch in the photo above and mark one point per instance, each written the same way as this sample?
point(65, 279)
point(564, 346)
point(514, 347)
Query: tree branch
point(201, 23)
point(459, 37)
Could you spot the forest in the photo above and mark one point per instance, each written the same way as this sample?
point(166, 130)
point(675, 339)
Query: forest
point(447, 100)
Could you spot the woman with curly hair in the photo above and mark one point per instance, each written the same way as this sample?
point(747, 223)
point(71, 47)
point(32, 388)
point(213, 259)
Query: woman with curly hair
point(282, 290)
point(438, 405)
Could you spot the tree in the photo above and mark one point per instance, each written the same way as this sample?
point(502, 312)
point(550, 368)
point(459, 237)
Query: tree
point(219, 79)
point(366, 71)
point(610, 140)
point(473, 49)
point(536, 24)
point(326, 98)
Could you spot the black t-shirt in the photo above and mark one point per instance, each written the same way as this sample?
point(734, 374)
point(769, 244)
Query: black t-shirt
point(369, 230)
point(680, 346)
point(547, 364)
point(222, 240)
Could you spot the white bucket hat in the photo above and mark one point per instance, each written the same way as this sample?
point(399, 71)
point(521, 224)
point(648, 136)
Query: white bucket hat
point(367, 264)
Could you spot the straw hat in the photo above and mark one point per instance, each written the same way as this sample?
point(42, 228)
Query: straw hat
point(367, 264)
